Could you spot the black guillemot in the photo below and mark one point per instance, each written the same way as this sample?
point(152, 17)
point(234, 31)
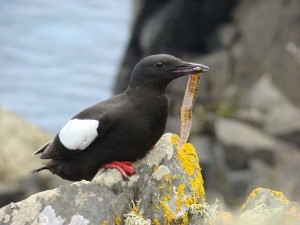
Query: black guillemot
point(120, 130)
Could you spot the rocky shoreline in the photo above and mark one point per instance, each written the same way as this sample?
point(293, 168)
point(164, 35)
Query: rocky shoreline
point(167, 188)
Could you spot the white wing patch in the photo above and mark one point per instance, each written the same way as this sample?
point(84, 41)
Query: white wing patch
point(78, 134)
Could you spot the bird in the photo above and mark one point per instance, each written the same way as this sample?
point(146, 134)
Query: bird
point(118, 131)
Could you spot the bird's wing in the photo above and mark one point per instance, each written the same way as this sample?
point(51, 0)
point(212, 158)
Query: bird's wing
point(76, 136)
point(41, 149)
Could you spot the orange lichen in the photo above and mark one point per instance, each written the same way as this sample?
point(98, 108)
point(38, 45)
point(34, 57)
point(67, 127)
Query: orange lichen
point(255, 192)
point(185, 218)
point(161, 186)
point(189, 159)
point(118, 220)
point(156, 208)
point(135, 208)
point(169, 215)
point(155, 168)
point(243, 206)
point(226, 218)
point(280, 197)
point(292, 217)
point(104, 222)
point(180, 194)
point(293, 209)
point(190, 163)
point(167, 198)
point(174, 139)
point(168, 180)
point(189, 201)
point(156, 222)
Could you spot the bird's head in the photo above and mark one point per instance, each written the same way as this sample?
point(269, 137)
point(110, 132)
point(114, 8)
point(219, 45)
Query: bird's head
point(157, 71)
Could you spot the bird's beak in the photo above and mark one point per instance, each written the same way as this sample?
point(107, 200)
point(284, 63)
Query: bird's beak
point(187, 68)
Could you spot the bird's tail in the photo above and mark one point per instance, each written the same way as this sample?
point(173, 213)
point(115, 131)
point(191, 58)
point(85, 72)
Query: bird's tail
point(46, 167)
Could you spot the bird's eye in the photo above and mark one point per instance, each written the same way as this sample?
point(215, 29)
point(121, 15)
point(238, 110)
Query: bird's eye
point(159, 65)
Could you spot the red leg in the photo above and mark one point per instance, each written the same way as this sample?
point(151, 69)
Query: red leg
point(124, 167)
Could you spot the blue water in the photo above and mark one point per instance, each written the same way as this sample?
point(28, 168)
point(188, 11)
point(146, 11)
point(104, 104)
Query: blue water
point(58, 57)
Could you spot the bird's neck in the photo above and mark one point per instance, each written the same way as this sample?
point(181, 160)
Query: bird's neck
point(146, 90)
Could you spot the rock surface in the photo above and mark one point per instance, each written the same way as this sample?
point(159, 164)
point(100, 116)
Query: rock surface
point(243, 142)
point(165, 186)
point(19, 139)
point(265, 206)
point(279, 116)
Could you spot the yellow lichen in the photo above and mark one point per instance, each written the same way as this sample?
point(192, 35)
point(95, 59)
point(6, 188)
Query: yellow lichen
point(168, 180)
point(189, 201)
point(188, 157)
point(226, 218)
point(281, 197)
point(156, 222)
point(293, 209)
point(185, 218)
point(190, 163)
point(167, 198)
point(135, 208)
point(104, 222)
point(169, 215)
point(180, 194)
point(118, 220)
point(255, 192)
point(156, 208)
point(175, 139)
point(161, 186)
point(243, 207)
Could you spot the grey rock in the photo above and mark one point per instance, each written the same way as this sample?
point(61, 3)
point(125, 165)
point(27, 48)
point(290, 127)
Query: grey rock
point(264, 95)
point(243, 142)
point(227, 34)
point(158, 191)
point(252, 116)
point(239, 182)
point(9, 193)
point(267, 107)
point(284, 122)
point(266, 28)
point(284, 176)
point(19, 139)
point(265, 206)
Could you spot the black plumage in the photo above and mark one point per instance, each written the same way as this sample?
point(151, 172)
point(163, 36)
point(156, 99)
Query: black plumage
point(122, 128)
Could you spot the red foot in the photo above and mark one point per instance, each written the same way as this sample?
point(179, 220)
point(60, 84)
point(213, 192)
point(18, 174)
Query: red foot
point(124, 167)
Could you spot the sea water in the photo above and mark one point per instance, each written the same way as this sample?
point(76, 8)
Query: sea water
point(59, 57)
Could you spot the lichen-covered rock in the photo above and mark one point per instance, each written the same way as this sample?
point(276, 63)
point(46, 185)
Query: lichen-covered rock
point(166, 184)
point(265, 206)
